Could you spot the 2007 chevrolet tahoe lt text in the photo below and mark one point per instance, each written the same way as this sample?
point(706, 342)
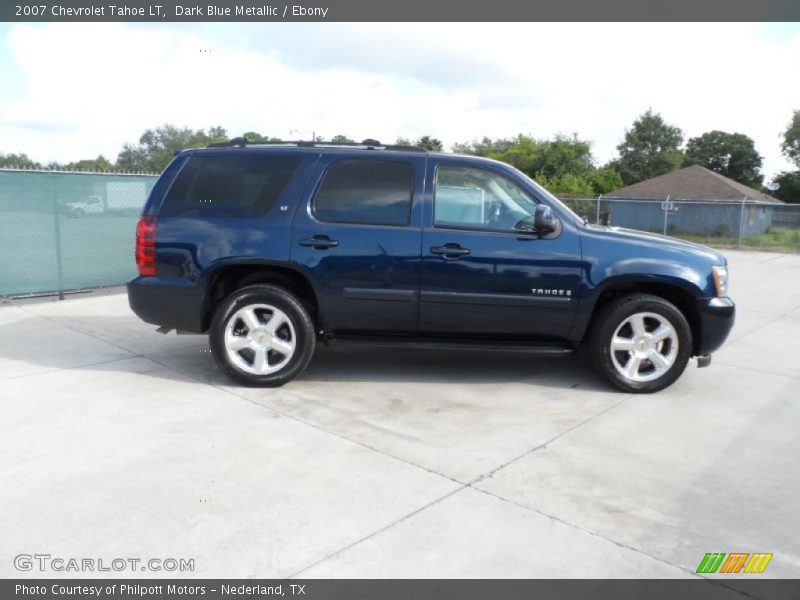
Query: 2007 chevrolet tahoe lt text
point(271, 248)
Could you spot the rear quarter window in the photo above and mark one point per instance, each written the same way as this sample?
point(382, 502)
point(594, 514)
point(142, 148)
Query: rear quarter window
point(229, 186)
point(365, 191)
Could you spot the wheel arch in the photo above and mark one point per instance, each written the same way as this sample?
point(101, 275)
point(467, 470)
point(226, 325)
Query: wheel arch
point(227, 278)
point(677, 291)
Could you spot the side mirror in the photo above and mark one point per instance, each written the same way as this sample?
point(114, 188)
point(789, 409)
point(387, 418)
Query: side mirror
point(544, 221)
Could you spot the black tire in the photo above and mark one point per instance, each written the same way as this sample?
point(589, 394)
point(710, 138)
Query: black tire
point(302, 332)
point(612, 316)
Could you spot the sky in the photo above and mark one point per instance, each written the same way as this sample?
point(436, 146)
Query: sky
point(71, 91)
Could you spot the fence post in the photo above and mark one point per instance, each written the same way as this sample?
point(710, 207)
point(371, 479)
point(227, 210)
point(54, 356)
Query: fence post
point(666, 212)
point(741, 224)
point(597, 219)
point(59, 260)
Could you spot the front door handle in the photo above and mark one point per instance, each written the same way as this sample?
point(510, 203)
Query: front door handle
point(449, 250)
point(319, 242)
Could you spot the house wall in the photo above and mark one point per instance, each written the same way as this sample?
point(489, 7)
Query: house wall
point(700, 218)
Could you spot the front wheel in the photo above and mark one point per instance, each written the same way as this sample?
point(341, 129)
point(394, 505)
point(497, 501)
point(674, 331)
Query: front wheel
point(641, 343)
point(262, 335)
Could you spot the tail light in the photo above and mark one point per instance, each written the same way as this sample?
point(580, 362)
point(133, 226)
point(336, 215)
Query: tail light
point(146, 246)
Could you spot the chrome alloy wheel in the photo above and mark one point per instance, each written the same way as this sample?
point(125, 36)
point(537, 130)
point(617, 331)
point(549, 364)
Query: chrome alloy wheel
point(644, 347)
point(260, 339)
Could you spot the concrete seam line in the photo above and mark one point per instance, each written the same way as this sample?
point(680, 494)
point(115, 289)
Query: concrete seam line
point(615, 542)
point(378, 531)
point(490, 474)
point(462, 485)
point(352, 441)
point(308, 423)
point(736, 340)
point(597, 535)
point(724, 363)
point(86, 333)
point(75, 367)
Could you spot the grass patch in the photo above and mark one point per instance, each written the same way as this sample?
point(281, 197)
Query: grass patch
point(776, 239)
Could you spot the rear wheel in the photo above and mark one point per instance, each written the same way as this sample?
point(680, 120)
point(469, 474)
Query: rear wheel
point(262, 335)
point(640, 343)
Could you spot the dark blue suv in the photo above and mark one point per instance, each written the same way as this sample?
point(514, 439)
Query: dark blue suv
point(271, 248)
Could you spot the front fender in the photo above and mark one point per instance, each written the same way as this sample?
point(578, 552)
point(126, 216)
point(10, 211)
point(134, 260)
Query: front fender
point(615, 258)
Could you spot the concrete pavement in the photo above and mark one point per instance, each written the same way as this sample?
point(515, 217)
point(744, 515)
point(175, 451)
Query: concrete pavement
point(117, 441)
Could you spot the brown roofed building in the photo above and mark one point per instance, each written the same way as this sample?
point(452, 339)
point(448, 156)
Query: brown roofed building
point(700, 202)
point(691, 183)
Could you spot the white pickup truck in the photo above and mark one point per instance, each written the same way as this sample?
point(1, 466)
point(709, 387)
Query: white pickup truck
point(122, 197)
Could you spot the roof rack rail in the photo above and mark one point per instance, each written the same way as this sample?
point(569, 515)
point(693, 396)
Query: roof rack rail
point(368, 144)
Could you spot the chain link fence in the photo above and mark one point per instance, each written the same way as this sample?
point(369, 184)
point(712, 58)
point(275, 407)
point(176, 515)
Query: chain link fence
point(720, 223)
point(62, 231)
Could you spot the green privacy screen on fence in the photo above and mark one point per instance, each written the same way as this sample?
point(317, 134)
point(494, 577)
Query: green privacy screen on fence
point(66, 231)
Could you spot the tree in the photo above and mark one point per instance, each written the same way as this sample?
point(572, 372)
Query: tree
point(789, 190)
point(650, 148)
point(342, 139)
point(101, 163)
point(156, 147)
point(485, 147)
point(425, 141)
point(605, 179)
point(252, 136)
point(18, 161)
point(791, 139)
point(429, 143)
point(730, 154)
point(566, 184)
point(564, 164)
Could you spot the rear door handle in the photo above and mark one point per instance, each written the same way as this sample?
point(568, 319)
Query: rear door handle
point(319, 242)
point(449, 250)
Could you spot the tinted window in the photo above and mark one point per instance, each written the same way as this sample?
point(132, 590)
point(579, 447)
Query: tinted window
point(374, 192)
point(229, 186)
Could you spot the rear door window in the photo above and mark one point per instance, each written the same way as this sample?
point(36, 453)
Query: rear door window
point(365, 191)
point(229, 186)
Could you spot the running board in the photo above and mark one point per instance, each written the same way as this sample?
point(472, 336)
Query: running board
point(534, 348)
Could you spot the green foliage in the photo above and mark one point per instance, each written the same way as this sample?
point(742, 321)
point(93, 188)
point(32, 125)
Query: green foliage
point(721, 231)
point(156, 147)
point(563, 164)
point(605, 179)
point(566, 184)
point(650, 148)
point(776, 238)
point(18, 161)
point(789, 190)
point(254, 136)
point(791, 139)
point(730, 154)
point(483, 148)
point(101, 163)
point(426, 141)
point(430, 143)
point(342, 139)
point(551, 159)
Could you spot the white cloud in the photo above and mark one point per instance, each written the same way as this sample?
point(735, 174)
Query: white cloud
point(89, 87)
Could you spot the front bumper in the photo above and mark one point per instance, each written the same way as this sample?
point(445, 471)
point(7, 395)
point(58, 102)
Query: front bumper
point(717, 316)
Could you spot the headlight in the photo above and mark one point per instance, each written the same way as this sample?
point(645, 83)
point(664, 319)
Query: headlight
point(721, 280)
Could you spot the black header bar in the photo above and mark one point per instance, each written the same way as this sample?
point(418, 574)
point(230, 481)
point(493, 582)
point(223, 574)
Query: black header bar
point(723, 588)
point(398, 10)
